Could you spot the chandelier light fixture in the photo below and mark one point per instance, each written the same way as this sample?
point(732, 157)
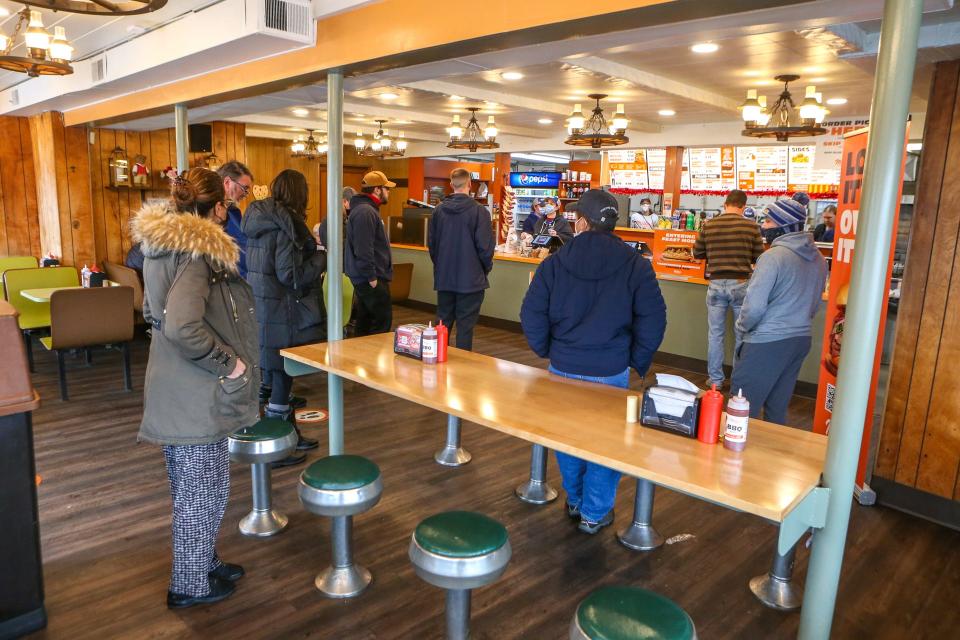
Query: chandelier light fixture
point(472, 137)
point(784, 120)
point(99, 7)
point(381, 146)
point(308, 148)
point(596, 132)
point(46, 56)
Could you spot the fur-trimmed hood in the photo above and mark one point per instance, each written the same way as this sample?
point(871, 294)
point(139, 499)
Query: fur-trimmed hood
point(161, 229)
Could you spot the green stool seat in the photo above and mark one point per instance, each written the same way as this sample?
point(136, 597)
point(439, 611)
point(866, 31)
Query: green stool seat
point(460, 534)
point(341, 473)
point(630, 613)
point(265, 429)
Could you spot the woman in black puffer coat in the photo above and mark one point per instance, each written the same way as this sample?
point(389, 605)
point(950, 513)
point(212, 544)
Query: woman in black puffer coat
point(284, 268)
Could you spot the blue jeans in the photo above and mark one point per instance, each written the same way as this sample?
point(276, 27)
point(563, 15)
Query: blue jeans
point(589, 486)
point(721, 296)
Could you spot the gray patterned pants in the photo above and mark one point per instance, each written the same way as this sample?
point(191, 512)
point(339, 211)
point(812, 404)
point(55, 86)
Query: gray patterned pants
point(200, 487)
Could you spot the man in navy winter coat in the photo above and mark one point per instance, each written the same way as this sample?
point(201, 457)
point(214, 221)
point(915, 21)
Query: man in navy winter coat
point(366, 256)
point(595, 310)
point(461, 243)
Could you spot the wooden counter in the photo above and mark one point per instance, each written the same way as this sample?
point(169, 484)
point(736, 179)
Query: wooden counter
point(779, 467)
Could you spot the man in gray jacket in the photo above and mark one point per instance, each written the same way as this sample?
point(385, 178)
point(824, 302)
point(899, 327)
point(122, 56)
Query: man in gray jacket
point(776, 318)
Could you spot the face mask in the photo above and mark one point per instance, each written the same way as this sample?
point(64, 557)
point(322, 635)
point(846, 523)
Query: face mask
point(577, 228)
point(547, 210)
point(769, 235)
point(645, 208)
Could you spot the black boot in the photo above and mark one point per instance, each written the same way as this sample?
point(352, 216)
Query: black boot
point(296, 402)
point(303, 444)
point(219, 590)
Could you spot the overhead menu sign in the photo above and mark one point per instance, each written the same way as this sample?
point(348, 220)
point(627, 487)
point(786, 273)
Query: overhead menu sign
point(762, 168)
point(800, 167)
point(628, 169)
point(685, 170)
point(656, 168)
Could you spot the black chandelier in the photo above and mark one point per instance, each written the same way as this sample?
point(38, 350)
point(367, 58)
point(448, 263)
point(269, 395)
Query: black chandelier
point(596, 132)
point(472, 137)
point(308, 148)
point(381, 146)
point(784, 120)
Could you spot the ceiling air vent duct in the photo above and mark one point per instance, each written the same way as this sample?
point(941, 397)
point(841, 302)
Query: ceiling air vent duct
point(289, 19)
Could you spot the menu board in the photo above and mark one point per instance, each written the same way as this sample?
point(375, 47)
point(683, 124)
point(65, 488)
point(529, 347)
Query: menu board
point(705, 169)
point(685, 170)
point(800, 167)
point(762, 168)
point(826, 165)
point(673, 255)
point(628, 169)
point(656, 168)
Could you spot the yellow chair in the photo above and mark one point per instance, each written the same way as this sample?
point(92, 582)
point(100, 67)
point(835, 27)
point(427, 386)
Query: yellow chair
point(15, 262)
point(346, 298)
point(35, 315)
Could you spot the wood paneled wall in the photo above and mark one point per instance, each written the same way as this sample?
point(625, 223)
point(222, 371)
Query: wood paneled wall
point(114, 206)
point(266, 157)
point(920, 441)
point(19, 230)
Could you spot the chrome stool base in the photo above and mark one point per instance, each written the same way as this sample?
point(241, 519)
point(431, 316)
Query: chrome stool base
point(640, 535)
point(263, 524)
point(343, 582)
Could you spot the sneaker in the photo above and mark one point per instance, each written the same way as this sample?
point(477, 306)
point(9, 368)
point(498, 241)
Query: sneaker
point(219, 590)
point(588, 526)
point(573, 511)
point(231, 572)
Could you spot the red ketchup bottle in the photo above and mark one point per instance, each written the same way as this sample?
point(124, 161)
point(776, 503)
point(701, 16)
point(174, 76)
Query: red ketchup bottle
point(711, 407)
point(443, 336)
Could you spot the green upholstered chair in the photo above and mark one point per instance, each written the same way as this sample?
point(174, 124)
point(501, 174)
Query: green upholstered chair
point(267, 441)
point(346, 297)
point(35, 316)
point(340, 487)
point(15, 262)
point(630, 613)
point(459, 551)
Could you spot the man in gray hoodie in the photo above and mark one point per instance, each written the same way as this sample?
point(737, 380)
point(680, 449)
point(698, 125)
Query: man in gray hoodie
point(777, 313)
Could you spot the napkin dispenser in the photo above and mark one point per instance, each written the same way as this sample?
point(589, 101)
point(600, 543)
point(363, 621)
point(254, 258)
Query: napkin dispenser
point(671, 409)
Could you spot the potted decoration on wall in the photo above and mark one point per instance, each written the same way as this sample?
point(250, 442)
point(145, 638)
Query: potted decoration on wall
point(213, 162)
point(141, 175)
point(119, 168)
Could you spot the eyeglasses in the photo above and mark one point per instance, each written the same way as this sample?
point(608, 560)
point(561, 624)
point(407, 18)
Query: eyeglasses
point(244, 189)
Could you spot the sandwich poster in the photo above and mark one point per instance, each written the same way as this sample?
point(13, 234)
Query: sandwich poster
point(848, 213)
point(673, 255)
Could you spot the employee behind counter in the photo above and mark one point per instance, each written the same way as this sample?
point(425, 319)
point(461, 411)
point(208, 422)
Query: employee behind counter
point(545, 219)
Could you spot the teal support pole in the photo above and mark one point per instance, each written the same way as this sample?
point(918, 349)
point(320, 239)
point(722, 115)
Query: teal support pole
point(888, 117)
point(181, 136)
point(335, 251)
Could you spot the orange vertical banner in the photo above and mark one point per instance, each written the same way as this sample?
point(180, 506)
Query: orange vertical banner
point(848, 210)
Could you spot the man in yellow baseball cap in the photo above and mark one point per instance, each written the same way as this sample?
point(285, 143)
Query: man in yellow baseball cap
point(367, 259)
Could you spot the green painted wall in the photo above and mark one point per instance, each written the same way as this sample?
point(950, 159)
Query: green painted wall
point(686, 308)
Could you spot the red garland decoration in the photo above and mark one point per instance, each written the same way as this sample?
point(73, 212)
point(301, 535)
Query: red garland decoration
point(829, 195)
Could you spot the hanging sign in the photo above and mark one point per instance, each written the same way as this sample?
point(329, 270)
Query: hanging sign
point(848, 212)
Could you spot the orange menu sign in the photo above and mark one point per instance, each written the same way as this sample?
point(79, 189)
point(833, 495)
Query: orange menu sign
point(673, 255)
point(848, 211)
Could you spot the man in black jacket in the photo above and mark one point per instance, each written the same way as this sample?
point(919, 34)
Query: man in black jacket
point(366, 256)
point(595, 310)
point(460, 239)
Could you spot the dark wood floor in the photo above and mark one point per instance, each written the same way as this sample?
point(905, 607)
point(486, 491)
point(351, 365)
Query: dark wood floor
point(105, 512)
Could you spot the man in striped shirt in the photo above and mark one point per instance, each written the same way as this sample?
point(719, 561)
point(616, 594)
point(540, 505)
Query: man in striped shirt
point(731, 245)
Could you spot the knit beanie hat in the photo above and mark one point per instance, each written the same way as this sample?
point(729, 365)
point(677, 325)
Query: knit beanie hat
point(750, 213)
point(790, 213)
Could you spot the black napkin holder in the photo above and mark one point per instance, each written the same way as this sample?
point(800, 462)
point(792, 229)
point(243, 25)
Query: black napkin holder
point(683, 425)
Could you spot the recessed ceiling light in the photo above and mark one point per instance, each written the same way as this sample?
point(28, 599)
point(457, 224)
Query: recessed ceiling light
point(511, 75)
point(299, 111)
point(705, 47)
point(403, 122)
point(490, 104)
point(389, 96)
point(359, 115)
point(458, 98)
point(667, 112)
point(818, 80)
point(545, 121)
point(837, 101)
point(3, 12)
